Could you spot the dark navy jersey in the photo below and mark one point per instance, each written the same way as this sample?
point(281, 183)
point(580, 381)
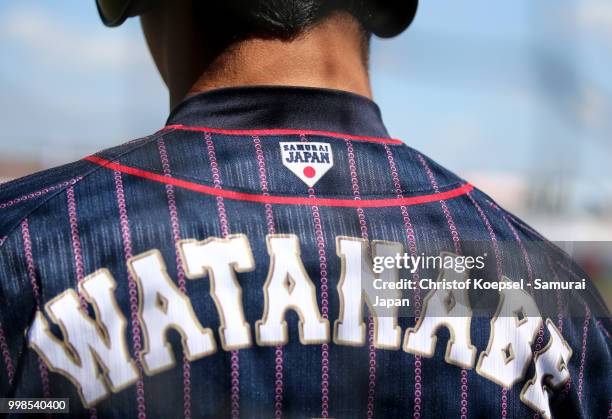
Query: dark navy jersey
point(248, 259)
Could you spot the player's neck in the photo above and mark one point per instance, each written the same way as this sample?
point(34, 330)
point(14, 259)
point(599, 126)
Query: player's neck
point(331, 55)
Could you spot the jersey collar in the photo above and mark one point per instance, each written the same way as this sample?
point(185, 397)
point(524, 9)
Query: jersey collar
point(268, 107)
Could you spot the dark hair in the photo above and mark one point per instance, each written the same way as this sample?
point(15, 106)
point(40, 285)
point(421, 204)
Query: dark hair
point(235, 20)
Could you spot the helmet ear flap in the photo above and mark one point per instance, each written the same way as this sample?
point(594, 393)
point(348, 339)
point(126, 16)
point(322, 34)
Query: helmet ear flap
point(115, 12)
point(389, 18)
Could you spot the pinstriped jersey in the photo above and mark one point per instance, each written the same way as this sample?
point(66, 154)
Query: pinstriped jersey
point(273, 252)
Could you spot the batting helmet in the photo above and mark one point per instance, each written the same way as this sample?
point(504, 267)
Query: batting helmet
point(388, 18)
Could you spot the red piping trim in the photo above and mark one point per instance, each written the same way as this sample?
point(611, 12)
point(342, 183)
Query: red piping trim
point(282, 200)
point(283, 132)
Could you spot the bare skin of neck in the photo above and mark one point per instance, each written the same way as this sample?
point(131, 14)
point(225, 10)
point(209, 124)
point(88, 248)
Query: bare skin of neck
point(330, 55)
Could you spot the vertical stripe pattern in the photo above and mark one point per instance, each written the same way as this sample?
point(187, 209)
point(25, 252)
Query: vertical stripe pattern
point(412, 248)
point(364, 234)
point(27, 248)
point(6, 356)
point(585, 334)
point(133, 292)
point(560, 323)
point(223, 223)
point(77, 254)
point(540, 338)
point(278, 352)
point(320, 240)
point(498, 262)
point(180, 271)
point(457, 243)
point(583, 353)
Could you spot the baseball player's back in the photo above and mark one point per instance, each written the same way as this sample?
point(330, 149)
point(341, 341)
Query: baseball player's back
point(227, 265)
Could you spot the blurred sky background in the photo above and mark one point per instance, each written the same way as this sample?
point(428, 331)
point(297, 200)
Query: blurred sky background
point(515, 96)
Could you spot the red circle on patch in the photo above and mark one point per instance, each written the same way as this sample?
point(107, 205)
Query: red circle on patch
point(309, 172)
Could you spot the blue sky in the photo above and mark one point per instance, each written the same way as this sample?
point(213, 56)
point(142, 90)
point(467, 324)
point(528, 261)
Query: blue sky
point(517, 87)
